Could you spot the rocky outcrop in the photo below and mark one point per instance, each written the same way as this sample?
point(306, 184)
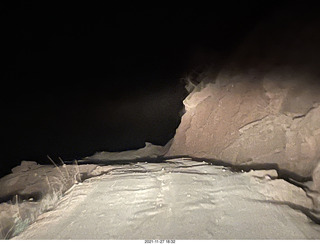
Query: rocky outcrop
point(245, 123)
point(264, 106)
point(149, 152)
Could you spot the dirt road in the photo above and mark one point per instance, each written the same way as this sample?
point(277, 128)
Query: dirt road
point(180, 199)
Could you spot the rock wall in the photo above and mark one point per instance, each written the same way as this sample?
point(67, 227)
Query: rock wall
point(264, 106)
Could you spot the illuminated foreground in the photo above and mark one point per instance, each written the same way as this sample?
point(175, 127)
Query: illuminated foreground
point(179, 199)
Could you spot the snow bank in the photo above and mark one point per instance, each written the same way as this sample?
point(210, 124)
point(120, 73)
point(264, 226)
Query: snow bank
point(148, 152)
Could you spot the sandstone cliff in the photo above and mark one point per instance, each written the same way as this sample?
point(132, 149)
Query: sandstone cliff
point(264, 106)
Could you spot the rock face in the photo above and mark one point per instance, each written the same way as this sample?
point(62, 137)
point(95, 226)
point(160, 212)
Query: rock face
point(264, 106)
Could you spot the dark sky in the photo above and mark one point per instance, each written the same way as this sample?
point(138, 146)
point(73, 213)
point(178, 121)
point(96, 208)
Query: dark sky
point(79, 78)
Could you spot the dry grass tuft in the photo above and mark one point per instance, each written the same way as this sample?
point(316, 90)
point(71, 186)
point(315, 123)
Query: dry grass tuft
point(16, 215)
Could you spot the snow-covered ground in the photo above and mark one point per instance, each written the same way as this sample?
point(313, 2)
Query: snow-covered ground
point(178, 199)
point(148, 152)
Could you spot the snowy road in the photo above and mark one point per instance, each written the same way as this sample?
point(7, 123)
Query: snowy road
point(177, 200)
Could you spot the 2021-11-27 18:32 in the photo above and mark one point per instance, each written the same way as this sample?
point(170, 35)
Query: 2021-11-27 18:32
point(160, 241)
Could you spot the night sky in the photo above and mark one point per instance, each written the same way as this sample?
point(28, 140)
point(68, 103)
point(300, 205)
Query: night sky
point(80, 78)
